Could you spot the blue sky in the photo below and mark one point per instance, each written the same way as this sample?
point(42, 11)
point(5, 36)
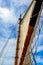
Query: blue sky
point(10, 11)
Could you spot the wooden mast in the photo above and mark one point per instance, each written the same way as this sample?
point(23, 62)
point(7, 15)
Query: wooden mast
point(26, 32)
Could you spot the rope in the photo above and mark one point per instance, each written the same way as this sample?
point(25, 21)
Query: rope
point(33, 54)
point(1, 53)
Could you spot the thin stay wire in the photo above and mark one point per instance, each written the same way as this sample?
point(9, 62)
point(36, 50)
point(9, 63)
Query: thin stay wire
point(1, 53)
point(4, 47)
point(33, 54)
point(10, 36)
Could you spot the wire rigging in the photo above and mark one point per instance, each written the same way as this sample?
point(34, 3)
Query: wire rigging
point(33, 54)
point(4, 47)
point(1, 53)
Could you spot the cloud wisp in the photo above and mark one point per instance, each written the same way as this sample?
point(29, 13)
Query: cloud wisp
point(8, 16)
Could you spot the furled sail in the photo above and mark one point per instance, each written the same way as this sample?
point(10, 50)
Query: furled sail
point(26, 33)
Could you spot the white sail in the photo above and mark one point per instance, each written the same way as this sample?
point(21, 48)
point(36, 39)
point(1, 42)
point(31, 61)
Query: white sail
point(24, 28)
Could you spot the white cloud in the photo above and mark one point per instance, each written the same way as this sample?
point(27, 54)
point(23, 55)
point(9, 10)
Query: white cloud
point(4, 12)
point(10, 45)
point(40, 36)
point(2, 42)
point(35, 43)
point(18, 3)
point(40, 48)
point(8, 15)
point(9, 50)
point(39, 60)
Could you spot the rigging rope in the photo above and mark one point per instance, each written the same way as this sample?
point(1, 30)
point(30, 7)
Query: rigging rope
point(33, 53)
point(1, 53)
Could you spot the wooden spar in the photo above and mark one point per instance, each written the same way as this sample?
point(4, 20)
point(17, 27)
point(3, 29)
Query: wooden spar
point(18, 42)
point(17, 46)
point(26, 30)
